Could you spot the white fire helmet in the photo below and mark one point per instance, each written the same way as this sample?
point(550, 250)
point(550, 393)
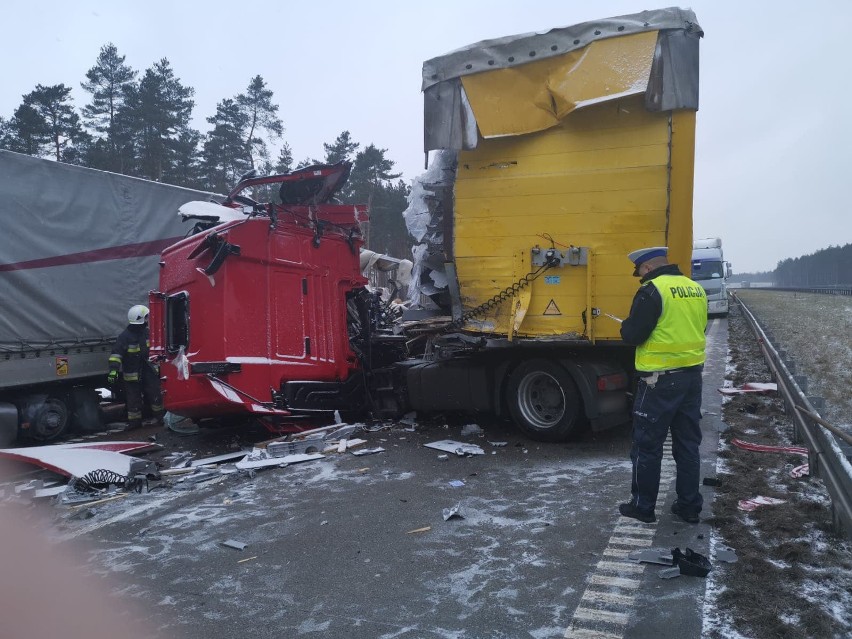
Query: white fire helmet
point(137, 314)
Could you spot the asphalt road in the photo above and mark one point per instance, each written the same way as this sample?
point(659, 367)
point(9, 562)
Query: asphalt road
point(331, 552)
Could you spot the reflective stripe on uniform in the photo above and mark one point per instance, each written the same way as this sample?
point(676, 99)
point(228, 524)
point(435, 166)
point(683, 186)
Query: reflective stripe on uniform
point(115, 358)
point(677, 340)
point(131, 377)
point(131, 416)
point(134, 349)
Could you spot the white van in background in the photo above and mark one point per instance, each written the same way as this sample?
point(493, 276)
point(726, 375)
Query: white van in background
point(710, 269)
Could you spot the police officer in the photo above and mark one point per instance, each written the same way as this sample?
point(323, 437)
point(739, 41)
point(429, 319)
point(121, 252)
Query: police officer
point(130, 355)
point(666, 324)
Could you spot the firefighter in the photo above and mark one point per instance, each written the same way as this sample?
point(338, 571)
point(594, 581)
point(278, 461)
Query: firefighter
point(141, 377)
point(666, 324)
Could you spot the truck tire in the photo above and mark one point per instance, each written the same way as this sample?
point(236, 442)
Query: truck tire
point(543, 400)
point(49, 421)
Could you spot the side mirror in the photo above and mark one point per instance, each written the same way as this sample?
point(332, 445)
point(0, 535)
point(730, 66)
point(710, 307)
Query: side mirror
point(727, 269)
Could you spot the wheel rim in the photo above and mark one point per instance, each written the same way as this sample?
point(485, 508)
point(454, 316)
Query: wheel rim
point(541, 400)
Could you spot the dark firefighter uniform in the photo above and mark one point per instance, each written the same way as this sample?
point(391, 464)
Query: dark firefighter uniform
point(141, 377)
point(667, 321)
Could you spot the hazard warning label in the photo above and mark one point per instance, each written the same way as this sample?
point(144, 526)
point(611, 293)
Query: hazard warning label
point(552, 309)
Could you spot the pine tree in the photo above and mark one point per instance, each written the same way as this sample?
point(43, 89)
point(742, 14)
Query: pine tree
point(341, 149)
point(284, 164)
point(106, 81)
point(223, 158)
point(46, 122)
point(26, 132)
point(261, 115)
point(156, 113)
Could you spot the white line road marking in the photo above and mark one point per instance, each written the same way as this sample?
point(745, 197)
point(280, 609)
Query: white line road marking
point(587, 633)
point(621, 567)
point(615, 582)
point(608, 597)
point(621, 553)
point(590, 614)
point(628, 541)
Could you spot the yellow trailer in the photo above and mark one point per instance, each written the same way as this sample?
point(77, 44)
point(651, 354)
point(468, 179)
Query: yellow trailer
point(566, 150)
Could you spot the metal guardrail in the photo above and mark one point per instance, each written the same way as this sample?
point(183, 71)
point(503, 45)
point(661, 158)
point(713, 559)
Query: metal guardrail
point(825, 455)
point(824, 290)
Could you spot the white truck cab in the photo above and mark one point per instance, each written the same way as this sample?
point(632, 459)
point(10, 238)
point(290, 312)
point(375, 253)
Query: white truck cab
point(710, 269)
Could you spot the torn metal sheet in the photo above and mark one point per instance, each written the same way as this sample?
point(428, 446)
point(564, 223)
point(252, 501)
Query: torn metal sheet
point(301, 447)
point(219, 458)
point(267, 462)
point(459, 448)
point(236, 545)
point(453, 513)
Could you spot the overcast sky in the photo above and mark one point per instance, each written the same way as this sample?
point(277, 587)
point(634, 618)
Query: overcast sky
point(773, 143)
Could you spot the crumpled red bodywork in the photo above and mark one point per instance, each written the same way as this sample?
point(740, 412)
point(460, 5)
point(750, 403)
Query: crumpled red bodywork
point(248, 305)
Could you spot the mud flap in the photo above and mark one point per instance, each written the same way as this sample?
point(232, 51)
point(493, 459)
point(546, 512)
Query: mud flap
point(8, 424)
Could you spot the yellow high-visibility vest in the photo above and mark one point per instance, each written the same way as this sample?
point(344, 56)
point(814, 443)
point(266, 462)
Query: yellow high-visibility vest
point(678, 339)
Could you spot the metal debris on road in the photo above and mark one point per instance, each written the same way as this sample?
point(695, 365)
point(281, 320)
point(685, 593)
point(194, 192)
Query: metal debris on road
point(499, 444)
point(266, 462)
point(652, 556)
point(459, 448)
point(242, 561)
point(453, 513)
point(236, 545)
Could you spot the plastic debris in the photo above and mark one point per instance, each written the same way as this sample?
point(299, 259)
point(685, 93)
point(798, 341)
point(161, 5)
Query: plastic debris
point(800, 471)
point(756, 502)
point(264, 462)
point(456, 483)
point(711, 481)
point(499, 444)
point(670, 573)
point(453, 513)
point(236, 545)
point(282, 449)
point(691, 563)
point(459, 448)
point(443, 457)
point(751, 387)
point(763, 448)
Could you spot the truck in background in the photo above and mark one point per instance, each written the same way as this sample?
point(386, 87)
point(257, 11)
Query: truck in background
point(79, 247)
point(710, 269)
point(524, 221)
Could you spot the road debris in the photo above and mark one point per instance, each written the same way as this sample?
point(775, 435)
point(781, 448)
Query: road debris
point(456, 483)
point(419, 530)
point(236, 545)
point(453, 513)
point(691, 563)
point(751, 387)
point(800, 471)
point(266, 462)
point(652, 556)
point(368, 451)
point(728, 555)
point(763, 448)
point(756, 502)
point(499, 444)
point(459, 448)
point(242, 561)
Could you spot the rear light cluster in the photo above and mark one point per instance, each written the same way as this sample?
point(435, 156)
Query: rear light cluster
point(612, 382)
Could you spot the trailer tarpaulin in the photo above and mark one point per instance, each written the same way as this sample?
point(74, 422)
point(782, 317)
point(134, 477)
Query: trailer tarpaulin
point(78, 248)
point(529, 82)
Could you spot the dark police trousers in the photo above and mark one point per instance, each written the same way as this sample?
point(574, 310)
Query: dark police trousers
point(672, 402)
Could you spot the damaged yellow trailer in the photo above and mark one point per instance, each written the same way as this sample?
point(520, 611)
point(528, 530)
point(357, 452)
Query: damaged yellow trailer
point(554, 155)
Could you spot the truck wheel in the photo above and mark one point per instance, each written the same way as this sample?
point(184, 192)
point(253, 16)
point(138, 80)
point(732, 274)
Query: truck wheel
point(543, 400)
point(50, 420)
